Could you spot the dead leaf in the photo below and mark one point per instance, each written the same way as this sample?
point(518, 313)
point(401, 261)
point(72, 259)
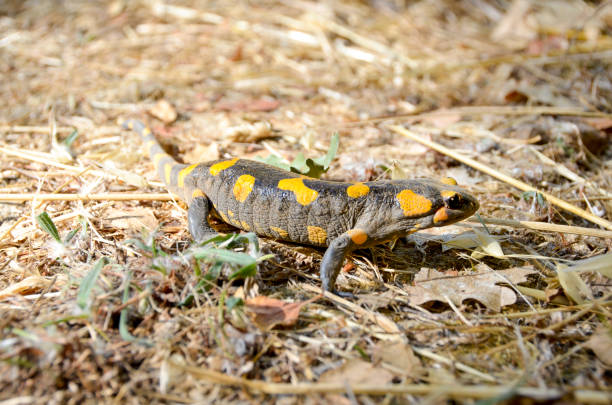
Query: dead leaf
point(164, 111)
point(399, 355)
point(569, 278)
point(202, 153)
point(134, 218)
point(442, 120)
point(488, 246)
point(357, 371)
point(600, 263)
point(431, 285)
point(268, 312)
point(481, 242)
point(601, 344)
point(248, 105)
point(599, 123)
point(249, 132)
point(28, 285)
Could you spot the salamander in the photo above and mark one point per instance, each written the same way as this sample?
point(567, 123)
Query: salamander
point(274, 203)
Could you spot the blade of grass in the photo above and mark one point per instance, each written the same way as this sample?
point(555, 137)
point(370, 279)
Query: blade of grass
point(47, 225)
point(88, 282)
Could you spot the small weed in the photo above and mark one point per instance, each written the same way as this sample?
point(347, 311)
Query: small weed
point(309, 167)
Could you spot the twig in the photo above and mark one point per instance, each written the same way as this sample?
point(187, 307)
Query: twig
point(503, 177)
point(72, 169)
point(544, 226)
point(20, 129)
point(87, 197)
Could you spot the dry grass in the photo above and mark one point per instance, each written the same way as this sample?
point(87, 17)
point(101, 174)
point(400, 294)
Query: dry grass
point(523, 88)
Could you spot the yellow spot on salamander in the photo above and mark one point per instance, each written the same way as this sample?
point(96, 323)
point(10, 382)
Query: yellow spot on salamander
point(449, 181)
point(441, 216)
point(167, 172)
point(146, 131)
point(303, 194)
point(357, 190)
point(359, 236)
point(280, 231)
point(413, 204)
point(158, 157)
point(230, 213)
point(224, 217)
point(197, 193)
point(219, 167)
point(183, 173)
point(317, 235)
point(243, 187)
point(448, 193)
point(245, 226)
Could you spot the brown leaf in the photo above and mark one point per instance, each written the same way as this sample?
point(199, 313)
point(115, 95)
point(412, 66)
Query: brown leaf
point(399, 355)
point(599, 123)
point(134, 218)
point(164, 111)
point(268, 312)
point(202, 153)
point(249, 132)
point(601, 344)
point(442, 121)
point(357, 371)
point(431, 285)
point(28, 285)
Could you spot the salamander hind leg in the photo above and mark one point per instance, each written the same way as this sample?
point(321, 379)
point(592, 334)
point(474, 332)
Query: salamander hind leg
point(333, 261)
point(197, 218)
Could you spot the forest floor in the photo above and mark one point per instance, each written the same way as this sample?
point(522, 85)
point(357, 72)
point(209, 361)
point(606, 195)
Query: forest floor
point(105, 297)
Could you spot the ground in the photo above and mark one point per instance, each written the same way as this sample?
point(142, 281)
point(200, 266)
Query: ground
point(120, 305)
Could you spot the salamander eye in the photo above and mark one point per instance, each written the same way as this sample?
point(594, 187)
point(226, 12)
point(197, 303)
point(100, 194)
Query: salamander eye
point(453, 200)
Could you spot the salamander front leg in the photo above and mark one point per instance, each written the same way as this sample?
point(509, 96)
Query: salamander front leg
point(333, 261)
point(197, 218)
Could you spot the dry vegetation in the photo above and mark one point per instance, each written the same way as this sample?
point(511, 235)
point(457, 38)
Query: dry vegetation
point(497, 309)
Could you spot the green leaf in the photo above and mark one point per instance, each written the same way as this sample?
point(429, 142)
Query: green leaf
point(70, 138)
point(88, 283)
point(65, 319)
point(311, 167)
point(326, 160)
point(246, 271)
point(361, 352)
point(223, 255)
point(233, 302)
point(274, 160)
point(299, 164)
point(47, 225)
point(139, 244)
point(70, 235)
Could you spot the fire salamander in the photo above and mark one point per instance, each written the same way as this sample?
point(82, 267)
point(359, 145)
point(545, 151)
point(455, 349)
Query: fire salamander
point(274, 203)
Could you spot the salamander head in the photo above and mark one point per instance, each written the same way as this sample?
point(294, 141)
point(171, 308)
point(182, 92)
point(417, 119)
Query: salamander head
point(458, 205)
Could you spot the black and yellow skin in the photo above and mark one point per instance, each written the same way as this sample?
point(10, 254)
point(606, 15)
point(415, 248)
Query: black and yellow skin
point(271, 202)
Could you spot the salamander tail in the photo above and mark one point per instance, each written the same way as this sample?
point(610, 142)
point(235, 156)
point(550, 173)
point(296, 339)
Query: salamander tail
point(166, 167)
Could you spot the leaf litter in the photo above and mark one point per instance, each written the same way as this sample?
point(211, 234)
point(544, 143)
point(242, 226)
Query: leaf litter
point(484, 312)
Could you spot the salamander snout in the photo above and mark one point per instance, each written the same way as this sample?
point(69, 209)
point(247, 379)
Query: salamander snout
point(458, 205)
